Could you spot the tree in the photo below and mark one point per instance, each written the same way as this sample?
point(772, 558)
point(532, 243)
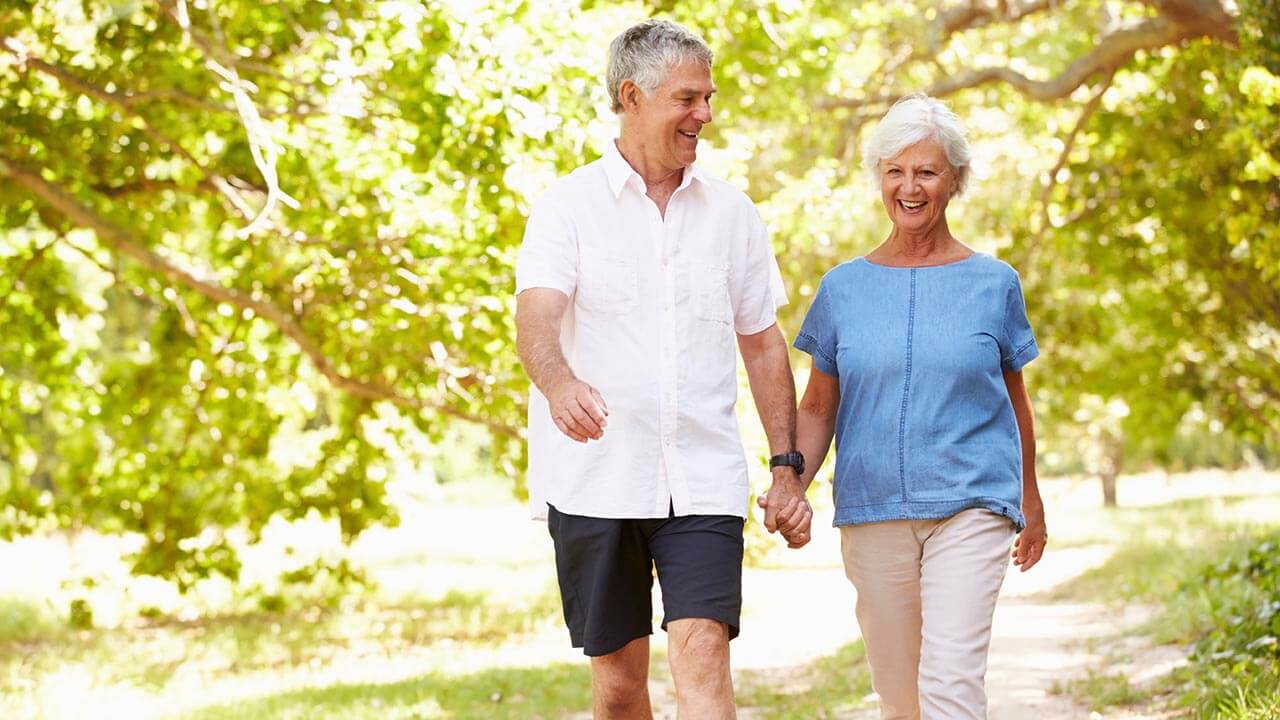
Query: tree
point(190, 349)
point(1126, 112)
point(251, 249)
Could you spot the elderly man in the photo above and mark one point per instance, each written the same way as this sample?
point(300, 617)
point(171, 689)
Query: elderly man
point(636, 274)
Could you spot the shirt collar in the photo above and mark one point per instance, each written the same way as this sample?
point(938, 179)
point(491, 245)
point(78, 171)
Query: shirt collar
point(619, 171)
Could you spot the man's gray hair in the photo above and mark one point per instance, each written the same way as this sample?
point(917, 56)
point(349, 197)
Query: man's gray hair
point(645, 52)
point(914, 118)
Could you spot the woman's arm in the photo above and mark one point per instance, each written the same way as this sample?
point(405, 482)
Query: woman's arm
point(815, 425)
point(816, 422)
point(1029, 546)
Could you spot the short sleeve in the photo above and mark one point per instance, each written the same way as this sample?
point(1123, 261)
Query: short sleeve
point(1018, 344)
point(548, 255)
point(757, 287)
point(817, 335)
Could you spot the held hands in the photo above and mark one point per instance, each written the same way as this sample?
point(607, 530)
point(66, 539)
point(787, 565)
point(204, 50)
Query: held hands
point(578, 410)
point(785, 508)
point(1029, 546)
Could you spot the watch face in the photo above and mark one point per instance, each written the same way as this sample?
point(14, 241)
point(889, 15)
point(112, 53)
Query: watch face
point(794, 460)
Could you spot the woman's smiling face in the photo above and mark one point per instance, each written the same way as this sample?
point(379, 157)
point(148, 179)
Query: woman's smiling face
point(916, 185)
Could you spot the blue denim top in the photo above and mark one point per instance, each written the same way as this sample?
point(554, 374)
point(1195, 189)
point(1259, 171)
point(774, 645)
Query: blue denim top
point(925, 427)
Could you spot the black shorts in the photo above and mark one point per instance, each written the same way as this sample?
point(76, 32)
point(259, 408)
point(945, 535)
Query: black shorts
point(605, 568)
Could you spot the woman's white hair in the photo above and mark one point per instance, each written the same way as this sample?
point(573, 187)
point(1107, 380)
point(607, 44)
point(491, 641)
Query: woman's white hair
point(645, 52)
point(914, 118)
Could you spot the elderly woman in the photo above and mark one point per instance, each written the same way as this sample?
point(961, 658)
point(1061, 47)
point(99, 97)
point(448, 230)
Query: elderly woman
point(918, 350)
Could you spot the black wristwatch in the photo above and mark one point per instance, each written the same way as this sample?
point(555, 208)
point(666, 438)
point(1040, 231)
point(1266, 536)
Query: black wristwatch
point(794, 459)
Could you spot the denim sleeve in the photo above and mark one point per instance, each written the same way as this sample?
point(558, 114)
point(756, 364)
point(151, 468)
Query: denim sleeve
point(1018, 345)
point(817, 335)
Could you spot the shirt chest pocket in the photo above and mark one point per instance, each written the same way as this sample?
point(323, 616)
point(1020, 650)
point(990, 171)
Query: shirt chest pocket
point(607, 284)
point(711, 292)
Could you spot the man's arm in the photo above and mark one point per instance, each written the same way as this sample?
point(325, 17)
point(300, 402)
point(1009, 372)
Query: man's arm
point(576, 407)
point(773, 388)
point(815, 426)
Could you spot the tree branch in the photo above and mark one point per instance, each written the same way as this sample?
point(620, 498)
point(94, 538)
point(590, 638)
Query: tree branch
point(1207, 17)
point(1252, 409)
point(21, 275)
point(974, 14)
point(1180, 20)
point(151, 185)
point(122, 100)
point(1069, 143)
point(122, 241)
point(1110, 53)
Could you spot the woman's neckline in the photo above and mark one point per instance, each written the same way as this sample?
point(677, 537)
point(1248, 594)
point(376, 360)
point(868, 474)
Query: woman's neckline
point(961, 261)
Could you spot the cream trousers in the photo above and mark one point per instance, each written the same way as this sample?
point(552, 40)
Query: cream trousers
point(926, 593)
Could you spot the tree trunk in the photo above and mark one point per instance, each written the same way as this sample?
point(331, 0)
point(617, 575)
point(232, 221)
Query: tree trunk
point(1111, 465)
point(1109, 488)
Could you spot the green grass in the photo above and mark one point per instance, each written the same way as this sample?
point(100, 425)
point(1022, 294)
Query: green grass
point(1157, 547)
point(148, 653)
point(551, 691)
point(1100, 691)
point(24, 621)
point(370, 655)
point(1165, 557)
point(826, 688)
point(1247, 703)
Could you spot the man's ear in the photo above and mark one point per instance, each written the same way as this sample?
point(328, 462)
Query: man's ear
point(629, 95)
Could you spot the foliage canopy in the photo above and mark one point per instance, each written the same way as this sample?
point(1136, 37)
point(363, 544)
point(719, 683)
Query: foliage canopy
point(251, 249)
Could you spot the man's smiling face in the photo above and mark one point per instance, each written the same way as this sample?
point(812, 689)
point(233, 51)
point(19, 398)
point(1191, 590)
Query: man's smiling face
point(669, 120)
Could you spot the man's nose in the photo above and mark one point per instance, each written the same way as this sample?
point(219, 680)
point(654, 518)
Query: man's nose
point(703, 113)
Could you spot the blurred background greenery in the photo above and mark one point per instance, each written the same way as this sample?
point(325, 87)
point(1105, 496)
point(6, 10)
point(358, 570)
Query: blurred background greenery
point(257, 257)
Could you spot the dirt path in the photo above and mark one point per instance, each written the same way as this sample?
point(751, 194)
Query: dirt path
point(798, 607)
point(794, 616)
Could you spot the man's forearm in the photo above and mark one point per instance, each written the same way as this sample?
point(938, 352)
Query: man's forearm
point(774, 392)
point(544, 362)
point(538, 316)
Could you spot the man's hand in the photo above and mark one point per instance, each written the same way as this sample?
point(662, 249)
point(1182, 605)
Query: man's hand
point(799, 537)
point(578, 410)
point(1029, 546)
point(785, 508)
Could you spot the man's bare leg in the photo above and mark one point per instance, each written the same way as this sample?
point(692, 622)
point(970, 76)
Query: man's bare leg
point(620, 683)
point(698, 649)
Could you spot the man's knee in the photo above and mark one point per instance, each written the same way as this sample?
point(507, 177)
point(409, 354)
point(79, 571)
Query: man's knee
point(620, 684)
point(699, 641)
point(620, 680)
point(620, 694)
point(622, 704)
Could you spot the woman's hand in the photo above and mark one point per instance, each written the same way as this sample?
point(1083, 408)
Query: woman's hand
point(799, 520)
point(1029, 546)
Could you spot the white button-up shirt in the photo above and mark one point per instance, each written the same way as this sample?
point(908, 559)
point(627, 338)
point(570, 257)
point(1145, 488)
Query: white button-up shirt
point(655, 303)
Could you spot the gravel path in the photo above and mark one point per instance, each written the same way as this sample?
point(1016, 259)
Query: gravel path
point(795, 616)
